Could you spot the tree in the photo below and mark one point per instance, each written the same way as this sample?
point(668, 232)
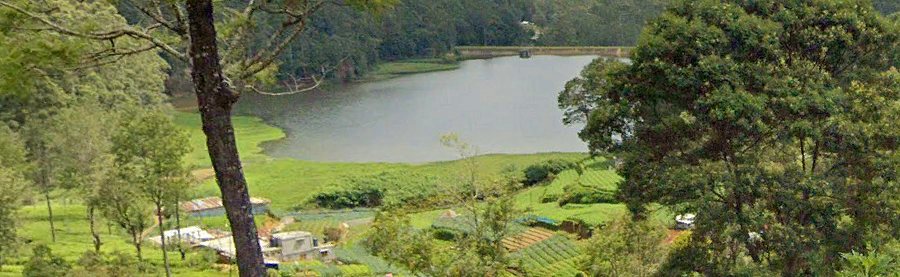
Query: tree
point(488, 213)
point(123, 204)
point(188, 33)
point(44, 75)
point(625, 248)
point(81, 144)
point(769, 119)
point(12, 184)
point(153, 148)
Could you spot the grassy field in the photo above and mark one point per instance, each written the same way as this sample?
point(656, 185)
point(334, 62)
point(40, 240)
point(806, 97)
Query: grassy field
point(399, 68)
point(250, 133)
point(289, 183)
point(73, 239)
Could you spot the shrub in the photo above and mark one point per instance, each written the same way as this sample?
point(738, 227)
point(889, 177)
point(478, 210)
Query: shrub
point(44, 264)
point(333, 234)
point(202, 259)
point(544, 171)
point(395, 188)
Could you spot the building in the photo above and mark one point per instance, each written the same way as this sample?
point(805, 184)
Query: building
point(192, 235)
point(280, 247)
point(298, 245)
point(212, 206)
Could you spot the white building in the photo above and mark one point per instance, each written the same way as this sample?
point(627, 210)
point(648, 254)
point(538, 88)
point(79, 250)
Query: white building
point(281, 247)
point(192, 235)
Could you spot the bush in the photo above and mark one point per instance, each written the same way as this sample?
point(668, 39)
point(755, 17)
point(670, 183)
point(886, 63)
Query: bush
point(202, 259)
point(395, 188)
point(631, 248)
point(333, 234)
point(44, 264)
point(544, 171)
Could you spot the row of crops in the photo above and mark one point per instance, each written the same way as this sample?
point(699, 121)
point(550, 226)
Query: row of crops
point(317, 268)
point(605, 179)
point(358, 255)
point(556, 256)
point(525, 239)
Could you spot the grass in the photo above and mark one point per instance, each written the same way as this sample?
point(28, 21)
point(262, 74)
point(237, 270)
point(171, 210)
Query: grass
point(73, 239)
point(399, 68)
point(289, 183)
point(530, 199)
point(250, 133)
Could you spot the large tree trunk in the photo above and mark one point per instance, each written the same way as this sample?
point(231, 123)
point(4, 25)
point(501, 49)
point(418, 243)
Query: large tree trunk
point(215, 99)
point(162, 239)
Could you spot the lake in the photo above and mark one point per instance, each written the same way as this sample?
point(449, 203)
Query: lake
point(500, 105)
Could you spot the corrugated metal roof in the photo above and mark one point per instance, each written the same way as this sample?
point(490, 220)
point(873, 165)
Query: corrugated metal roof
point(214, 203)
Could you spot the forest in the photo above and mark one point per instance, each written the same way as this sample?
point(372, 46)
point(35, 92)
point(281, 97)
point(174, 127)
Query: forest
point(739, 138)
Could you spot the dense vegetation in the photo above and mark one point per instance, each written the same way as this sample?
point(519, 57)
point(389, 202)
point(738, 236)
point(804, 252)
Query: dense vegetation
point(774, 121)
point(770, 120)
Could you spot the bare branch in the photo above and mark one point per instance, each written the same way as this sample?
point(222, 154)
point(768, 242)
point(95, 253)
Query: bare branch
point(295, 19)
point(298, 86)
point(158, 17)
point(294, 88)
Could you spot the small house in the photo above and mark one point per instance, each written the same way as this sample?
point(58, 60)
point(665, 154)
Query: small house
point(299, 245)
point(212, 206)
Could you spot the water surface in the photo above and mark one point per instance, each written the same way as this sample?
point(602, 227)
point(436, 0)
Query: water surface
point(502, 105)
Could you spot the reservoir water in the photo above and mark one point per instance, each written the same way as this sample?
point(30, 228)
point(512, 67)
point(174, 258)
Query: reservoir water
point(500, 105)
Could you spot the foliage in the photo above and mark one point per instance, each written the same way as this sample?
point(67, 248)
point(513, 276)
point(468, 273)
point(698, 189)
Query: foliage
point(593, 22)
point(570, 186)
point(764, 117)
point(393, 239)
point(44, 264)
point(399, 188)
point(545, 171)
point(116, 263)
point(12, 185)
point(625, 248)
point(580, 95)
point(879, 261)
point(46, 69)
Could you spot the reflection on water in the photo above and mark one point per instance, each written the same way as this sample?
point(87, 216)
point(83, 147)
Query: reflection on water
point(502, 105)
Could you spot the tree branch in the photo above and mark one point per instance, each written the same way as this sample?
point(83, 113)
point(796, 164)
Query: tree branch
point(107, 35)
